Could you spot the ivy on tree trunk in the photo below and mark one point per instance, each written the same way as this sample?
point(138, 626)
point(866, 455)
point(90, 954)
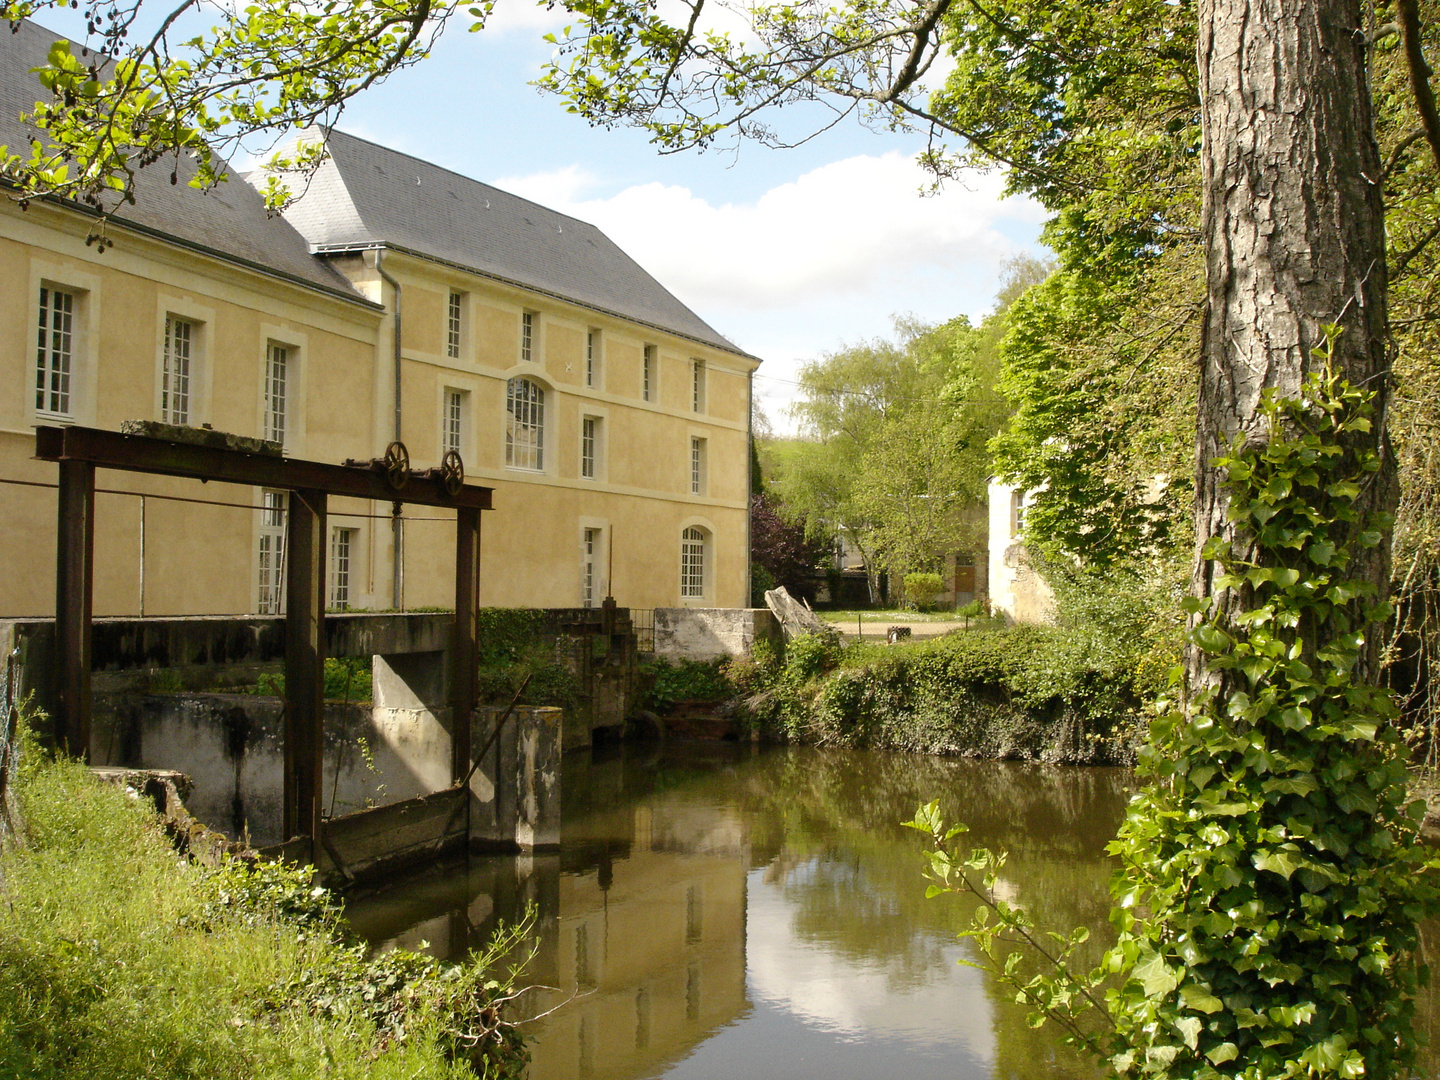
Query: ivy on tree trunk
point(1295, 241)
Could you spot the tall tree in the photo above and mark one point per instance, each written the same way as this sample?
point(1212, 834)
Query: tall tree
point(1295, 235)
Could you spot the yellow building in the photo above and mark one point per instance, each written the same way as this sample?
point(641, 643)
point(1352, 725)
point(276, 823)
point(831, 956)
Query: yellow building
point(610, 420)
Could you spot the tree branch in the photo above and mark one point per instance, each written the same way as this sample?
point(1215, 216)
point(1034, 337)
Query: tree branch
point(1409, 12)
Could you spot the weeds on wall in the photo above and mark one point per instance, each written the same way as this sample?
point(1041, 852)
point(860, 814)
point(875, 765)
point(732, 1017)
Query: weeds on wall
point(669, 682)
point(121, 960)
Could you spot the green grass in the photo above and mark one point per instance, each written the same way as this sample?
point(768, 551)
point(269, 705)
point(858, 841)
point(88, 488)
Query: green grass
point(120, 959)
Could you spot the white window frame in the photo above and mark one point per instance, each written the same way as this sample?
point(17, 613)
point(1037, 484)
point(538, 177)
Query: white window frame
point(525, 424)
point(178, 364)
point(84, 326)
point(270, 552)
point(649, 372)
point(529, 336)
point(593, 537)
point(454, 420)
point(697, 385)
point(168, 310)
point(344, 547)
point(592, 541)
point(593, 346)
point(695, 559)
point(58, 312)
point(277, 391)
point(699, 465)
point(454, 324)
point(589, 438)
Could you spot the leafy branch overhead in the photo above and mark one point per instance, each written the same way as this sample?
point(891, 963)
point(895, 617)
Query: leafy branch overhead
point(151, 87)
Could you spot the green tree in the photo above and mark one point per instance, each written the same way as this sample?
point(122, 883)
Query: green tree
point(894, 454)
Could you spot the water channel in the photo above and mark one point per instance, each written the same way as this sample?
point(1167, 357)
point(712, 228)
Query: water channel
point(720, 911)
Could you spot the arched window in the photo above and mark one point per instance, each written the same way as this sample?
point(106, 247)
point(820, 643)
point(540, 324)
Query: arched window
point(524, 425)
point(692, 563)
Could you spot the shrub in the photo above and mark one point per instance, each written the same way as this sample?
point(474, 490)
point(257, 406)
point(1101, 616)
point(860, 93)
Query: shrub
point(551, 683)
point(687, 680)
point(1026, 692)
point(921, 588)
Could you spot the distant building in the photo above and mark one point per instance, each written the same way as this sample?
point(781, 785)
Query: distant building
point(1016, 590)
point(610, 420)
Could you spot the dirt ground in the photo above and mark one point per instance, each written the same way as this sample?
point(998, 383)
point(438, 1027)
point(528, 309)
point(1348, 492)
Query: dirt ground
point(876, 631)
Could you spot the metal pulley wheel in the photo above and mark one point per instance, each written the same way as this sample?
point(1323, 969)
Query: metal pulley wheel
point(452, 473)
point(397, 465)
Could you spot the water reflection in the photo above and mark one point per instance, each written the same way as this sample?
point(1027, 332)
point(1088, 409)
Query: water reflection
point(720, 911)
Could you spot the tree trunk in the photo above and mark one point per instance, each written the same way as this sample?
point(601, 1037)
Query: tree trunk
point(1295, 236)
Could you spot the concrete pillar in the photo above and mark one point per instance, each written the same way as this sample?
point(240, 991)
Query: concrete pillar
point(515, 792)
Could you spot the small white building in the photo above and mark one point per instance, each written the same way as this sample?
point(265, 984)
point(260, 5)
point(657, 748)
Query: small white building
point(1016, 590)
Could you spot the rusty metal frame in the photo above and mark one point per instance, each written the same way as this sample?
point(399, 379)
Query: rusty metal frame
point(79, 451)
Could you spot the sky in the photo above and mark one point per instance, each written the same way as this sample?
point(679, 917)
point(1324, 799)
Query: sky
point(789, 253)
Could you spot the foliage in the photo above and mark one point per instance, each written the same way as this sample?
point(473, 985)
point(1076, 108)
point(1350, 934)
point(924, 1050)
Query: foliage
point(1282, 804)
point(1026, 692)
point(780, 549)
point(1271, 877)
point(119, 959)
point(686, 680)
point(347, 678)
point(505, 633)
point(1108, 475)
point(922, 587)
point(171, 95)
point(551, 683)
point(893, 456)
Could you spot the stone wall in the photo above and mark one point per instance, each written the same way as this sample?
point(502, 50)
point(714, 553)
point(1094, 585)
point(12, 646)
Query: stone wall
point(712, 633)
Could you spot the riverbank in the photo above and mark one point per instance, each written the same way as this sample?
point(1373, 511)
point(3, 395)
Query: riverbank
point(121, 959)
point(1019, 693)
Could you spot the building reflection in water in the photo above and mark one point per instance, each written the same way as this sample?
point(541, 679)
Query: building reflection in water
point(641, 933)
point(719, 912)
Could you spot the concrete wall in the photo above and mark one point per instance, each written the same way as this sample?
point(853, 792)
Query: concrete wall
point(1016, 590)
point(711, 633)
point(231, 747)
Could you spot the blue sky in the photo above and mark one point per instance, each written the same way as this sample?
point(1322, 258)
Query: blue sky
point(789, 253)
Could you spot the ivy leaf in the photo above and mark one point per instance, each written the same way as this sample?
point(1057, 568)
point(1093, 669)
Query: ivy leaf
point(1211, 638)
point(1200, 999)
point(1283, 861)
point(1154, 975)
point(1226, 1051)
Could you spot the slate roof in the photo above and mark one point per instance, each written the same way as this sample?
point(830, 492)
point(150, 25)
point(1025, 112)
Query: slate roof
point(366, 195)
point(229, 221)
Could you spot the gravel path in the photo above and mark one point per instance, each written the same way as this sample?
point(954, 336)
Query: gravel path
point(876, 631)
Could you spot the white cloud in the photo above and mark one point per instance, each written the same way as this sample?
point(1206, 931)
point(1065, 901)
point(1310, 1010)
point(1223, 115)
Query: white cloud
point(823, 259)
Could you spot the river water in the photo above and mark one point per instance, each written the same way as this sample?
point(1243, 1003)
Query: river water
point(718, 911)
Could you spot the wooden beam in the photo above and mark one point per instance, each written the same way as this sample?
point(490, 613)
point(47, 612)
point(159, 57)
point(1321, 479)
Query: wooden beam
point(74, 581)
point(305, 535)
point(142, 453)
point(465, 646)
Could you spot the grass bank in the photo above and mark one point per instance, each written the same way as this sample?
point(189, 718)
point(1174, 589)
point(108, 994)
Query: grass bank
point(1077, 692)
point(121, 959)
point(1028, 693)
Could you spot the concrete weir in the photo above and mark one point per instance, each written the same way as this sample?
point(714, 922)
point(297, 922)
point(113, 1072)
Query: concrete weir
point(390, 796)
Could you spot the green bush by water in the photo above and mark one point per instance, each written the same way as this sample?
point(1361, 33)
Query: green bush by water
point(1068, 693)
point(120, 959)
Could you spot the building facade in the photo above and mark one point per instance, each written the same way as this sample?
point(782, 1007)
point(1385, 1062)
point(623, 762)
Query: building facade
point(394, 301)
point(1017, 591)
